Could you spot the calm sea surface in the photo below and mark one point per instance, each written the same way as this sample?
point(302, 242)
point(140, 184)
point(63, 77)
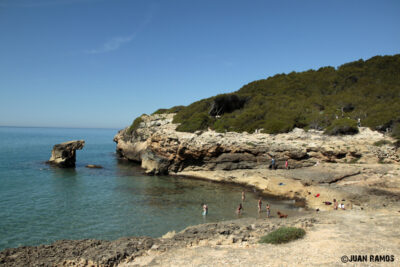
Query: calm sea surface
point(40, 204)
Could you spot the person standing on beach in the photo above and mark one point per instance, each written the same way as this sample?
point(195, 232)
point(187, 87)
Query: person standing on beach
point(243, 196)
point(335, 204)
point(272, 164)
point(259, 204)
point(205, 209)
point(268, 210)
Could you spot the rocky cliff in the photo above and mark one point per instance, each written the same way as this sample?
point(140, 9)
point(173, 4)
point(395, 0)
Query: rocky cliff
point(161, 149)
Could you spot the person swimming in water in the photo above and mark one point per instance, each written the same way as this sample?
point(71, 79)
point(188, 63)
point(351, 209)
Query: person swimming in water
point(205, 209)
point(259, 204)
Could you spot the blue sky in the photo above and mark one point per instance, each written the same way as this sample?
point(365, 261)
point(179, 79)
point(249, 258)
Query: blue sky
point(101, 63)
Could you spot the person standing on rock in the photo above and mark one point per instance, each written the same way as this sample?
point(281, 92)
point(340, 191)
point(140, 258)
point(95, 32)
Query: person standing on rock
point(243, 196)
point(268, 210)
point(259, 205)
point(286, 164)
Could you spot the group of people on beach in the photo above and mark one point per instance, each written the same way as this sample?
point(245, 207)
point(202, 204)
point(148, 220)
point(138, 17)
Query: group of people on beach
point(240, 207)
point(336, 204)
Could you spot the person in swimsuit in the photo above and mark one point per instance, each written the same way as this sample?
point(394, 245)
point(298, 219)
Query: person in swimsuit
point(259, 204)
point(268, 210)
point(335, 204)
point(205, 209)
point(243, 196)
point(239, 209)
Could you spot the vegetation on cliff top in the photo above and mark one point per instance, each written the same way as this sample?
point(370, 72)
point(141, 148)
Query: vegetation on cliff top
point(135, 124)
point(330, 99)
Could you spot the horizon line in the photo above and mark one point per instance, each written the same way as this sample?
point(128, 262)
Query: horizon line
point(62, 127)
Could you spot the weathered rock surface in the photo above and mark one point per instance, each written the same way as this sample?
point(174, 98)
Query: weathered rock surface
point(77, 252)
point(111, 253)
point(161, 149)
point(329, 235)
point(64, 154)
point(332, 235)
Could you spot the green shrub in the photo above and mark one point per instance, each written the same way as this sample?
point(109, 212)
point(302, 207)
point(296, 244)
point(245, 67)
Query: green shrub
point(396, 131)
point(342, 127)
point(174, 109)
point(160, 111)
point(274, 126)
point(382, 143)
point(135, 125)
point(283, 235)
point(185, 114)
point(198, 121)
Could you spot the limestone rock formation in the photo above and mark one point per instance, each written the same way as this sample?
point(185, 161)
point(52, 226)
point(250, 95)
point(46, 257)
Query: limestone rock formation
point(64, 154)
point(161, 149)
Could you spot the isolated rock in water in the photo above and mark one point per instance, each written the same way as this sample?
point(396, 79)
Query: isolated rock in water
point(64, 155)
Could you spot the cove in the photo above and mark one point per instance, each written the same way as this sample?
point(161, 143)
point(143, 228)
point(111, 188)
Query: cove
point(41, 204)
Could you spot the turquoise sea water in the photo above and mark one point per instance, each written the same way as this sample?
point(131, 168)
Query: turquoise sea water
point(40, 204)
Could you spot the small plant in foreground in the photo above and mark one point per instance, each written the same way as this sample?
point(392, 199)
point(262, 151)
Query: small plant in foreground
point(283, 235)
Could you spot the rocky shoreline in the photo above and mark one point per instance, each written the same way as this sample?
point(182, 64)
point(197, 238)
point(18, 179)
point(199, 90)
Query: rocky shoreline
point(354, 170)
point(161, 149)
point(329, 236)
point(111, 253)
point(347, 168)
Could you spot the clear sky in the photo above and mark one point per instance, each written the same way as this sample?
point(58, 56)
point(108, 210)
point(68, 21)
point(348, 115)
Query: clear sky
point(101, 63)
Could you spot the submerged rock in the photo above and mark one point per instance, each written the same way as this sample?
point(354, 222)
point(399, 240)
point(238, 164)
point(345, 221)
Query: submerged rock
point(93, 166)
point(64, 154)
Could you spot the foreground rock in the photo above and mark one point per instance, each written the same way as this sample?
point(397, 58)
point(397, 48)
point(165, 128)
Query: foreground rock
point(64, 154)
point(76, 252)
point(111, 253)
point(329, 236)
point(161, 149)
